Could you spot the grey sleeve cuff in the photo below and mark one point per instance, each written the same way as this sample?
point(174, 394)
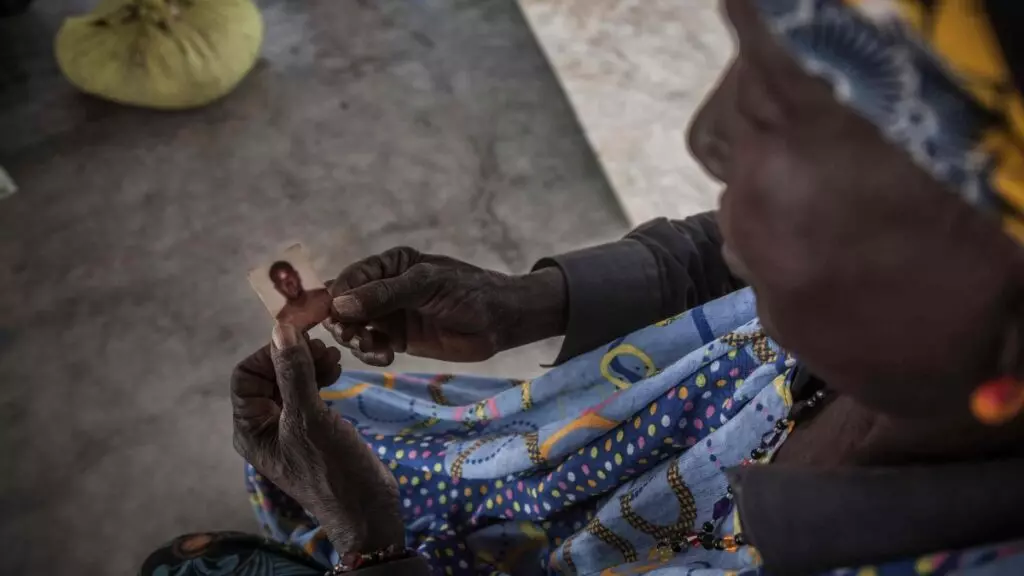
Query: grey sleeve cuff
point(612, 289)
point(415, 566)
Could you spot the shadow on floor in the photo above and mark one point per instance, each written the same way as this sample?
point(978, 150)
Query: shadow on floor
point(366, 125)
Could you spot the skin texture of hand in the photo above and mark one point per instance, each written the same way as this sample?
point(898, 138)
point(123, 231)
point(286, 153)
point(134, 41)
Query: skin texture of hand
point(439, 307)
point(287, 432)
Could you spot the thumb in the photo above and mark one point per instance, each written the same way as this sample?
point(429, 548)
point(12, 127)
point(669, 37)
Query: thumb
point(293, 366)
point(379, 298)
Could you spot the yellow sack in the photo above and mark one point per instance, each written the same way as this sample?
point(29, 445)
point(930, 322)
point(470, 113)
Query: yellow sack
point(167, 54)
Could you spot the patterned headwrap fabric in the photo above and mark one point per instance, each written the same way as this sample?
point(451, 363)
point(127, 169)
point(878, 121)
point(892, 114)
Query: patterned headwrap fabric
point(931, 75)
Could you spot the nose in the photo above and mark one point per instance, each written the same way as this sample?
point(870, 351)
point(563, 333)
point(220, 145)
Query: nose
point(712, 152)
point(708, 137)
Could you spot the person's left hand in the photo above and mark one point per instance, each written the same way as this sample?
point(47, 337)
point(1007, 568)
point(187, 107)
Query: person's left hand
point(287, 432)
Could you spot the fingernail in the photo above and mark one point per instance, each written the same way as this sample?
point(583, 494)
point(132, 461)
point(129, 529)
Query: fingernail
point(379, 359)
point(284, 336)
point(346, 305)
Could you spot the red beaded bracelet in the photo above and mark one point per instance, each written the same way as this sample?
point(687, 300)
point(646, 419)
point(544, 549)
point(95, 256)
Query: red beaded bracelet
point(352, 561)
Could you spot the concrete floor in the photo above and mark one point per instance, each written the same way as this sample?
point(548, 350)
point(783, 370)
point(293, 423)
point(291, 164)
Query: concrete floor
point(636, 72)
point(367, 124)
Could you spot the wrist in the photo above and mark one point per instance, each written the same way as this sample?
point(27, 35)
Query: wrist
point(541, 307)
point(369, 533)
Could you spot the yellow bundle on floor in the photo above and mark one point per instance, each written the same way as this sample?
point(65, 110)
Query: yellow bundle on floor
point(168, 54)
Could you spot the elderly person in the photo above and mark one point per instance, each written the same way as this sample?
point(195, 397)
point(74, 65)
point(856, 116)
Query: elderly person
point(860, 415)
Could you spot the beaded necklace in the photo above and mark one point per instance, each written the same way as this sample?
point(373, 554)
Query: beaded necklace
point(705, 538)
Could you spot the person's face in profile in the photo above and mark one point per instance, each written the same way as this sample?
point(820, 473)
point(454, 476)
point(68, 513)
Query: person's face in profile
point(287, 282)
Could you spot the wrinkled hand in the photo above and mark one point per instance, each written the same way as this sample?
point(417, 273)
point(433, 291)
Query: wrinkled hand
point(439, 307)
point(284, 429)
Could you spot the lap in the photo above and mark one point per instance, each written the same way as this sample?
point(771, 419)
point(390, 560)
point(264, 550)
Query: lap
point(522, 476)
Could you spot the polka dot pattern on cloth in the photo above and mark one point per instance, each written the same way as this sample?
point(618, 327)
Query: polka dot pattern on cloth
point(492, 472)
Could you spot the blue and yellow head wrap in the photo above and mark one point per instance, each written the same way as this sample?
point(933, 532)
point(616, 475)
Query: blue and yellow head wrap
point(932, 76)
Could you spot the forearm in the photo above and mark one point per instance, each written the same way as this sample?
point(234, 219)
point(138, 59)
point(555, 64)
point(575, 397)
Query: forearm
point(364, 520)
point(660, 269)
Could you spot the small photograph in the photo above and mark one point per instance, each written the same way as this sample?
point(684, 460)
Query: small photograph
point(291, 289)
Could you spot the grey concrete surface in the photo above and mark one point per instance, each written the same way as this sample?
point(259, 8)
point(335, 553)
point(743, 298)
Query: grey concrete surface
point(636, 72)
point(124, 304)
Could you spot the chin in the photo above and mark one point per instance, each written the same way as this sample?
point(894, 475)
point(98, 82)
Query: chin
point(735, 264)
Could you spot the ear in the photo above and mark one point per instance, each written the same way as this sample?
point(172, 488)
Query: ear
point(1000, 400)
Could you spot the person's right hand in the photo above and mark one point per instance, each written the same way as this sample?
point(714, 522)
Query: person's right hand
point(287, 432)
point(439, 307)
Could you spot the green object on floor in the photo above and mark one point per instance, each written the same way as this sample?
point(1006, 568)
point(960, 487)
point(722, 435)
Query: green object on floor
point(169, 54)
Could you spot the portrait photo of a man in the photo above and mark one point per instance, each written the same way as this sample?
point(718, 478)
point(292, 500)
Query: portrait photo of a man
point(291, 290)
point(299, 303)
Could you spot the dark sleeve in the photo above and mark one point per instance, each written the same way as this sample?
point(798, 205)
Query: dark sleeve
point(415, 566)
point(660, 269)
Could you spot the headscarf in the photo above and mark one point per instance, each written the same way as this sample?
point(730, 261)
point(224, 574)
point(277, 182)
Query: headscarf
point(932, 75)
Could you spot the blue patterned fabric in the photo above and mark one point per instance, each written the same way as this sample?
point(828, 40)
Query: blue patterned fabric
point(228, 554)
point(582, 470)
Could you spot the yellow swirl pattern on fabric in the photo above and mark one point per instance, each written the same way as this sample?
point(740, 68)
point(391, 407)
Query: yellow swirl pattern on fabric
point(536, 539)
point(781, 384)
point(328, 395)
point(625, 350)
point(585, 422)
point(526, 395)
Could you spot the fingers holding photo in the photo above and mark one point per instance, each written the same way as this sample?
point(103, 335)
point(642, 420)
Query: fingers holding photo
point(387, 264)
point(255, 392)
point(327, 361)
point(294, 369)
point(367, 343)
